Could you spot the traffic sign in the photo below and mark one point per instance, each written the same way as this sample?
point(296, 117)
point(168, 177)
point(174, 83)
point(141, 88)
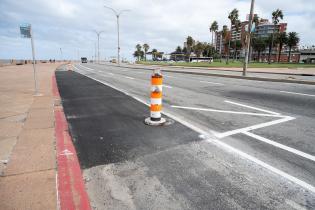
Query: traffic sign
point(25, 30)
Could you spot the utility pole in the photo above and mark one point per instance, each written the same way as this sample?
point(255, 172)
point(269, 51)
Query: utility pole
point(251, 14)
point(61, 54)
point(117, 14)
point(98, 33)
point(95, 52)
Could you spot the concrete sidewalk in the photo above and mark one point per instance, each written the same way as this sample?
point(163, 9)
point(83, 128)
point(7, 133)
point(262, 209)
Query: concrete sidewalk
point(299, 76)
point(27, 141)
point(284, 71)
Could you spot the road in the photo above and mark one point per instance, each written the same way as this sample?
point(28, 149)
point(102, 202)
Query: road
point(261, 132)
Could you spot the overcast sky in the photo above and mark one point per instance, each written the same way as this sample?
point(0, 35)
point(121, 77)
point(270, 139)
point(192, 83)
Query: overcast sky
point(163, 24)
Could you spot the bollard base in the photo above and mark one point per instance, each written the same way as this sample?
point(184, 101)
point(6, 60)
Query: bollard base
point(148, 121)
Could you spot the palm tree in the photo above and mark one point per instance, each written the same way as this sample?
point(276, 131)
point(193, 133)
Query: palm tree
point(259, 45)
point(146, 47)
point(256, 20)
point(138, 51)
point(293, 40)
point(276, 16)
point(213, 28)
point(223, 38)
point(190, 43)
point(154, 53)
point(233, 16)
point(236, 42)
point(282, 39)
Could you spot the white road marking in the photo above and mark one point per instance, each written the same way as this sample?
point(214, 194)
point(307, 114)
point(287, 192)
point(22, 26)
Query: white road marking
point(168, 76)
point(66, 152)
point(111, 74)
point(254, 127)
point(251, 107)
point(129, 77)
point(225, 111)
point(281, 146)
point(302, 94)
point(167, 86)
point(214, 83)
point(222, 144)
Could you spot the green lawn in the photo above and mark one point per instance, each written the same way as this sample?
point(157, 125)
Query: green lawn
point(231, 64)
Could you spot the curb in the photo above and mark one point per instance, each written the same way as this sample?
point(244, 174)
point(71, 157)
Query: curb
point(70, 185)
point(226, 76)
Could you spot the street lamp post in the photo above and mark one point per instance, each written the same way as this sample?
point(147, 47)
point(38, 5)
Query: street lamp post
point(248, 37)
point(117, 14)
point(98, 33)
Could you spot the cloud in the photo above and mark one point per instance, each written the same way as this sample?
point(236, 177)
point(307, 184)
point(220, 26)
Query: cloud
point(163, 24)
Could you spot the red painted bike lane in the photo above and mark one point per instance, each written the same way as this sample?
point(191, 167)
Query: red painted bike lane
point(71, 188)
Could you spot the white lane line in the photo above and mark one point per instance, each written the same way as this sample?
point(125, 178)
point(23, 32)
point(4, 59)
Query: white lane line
point(168, 76)
point(129, 77)
point(253, 127)
point(302, 94)
point(222, 144)
point(110, 74)
point(167, 86)
point(281, 146)
point(86, 67)
point(251, 107)
point(265, 165)
point(225, 111)
point(214, 83)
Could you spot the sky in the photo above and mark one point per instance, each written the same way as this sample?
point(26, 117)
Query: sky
point(70, 25)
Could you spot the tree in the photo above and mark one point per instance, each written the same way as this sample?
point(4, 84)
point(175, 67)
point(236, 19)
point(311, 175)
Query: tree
point(259, 45)
point(237, 43)
point(198, 49)
point(233, 16)
point(178, 49)
point(146, 47)
point(276, 16)
point(154, 54)
point(293, 40)
point(282, 39)
point(190, 43)
point(138, 53)
point(223, 38)
point(213, 28)
point(256, 20)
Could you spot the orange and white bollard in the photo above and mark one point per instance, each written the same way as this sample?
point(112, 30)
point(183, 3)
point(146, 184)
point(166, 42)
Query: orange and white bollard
point(156, 100)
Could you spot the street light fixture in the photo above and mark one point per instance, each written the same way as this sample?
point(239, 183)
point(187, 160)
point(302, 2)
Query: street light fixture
point(98, 33)
point(117, 14)
point(251, 14)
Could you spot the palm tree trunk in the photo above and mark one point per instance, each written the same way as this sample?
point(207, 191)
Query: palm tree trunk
point(228, 54)
point(212, 39)
point(258, 55)
point(270, 50)
point(289, 58)
point(279, 54)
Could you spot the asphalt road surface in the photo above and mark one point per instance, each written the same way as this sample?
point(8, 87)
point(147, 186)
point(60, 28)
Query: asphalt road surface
point(234, 144)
